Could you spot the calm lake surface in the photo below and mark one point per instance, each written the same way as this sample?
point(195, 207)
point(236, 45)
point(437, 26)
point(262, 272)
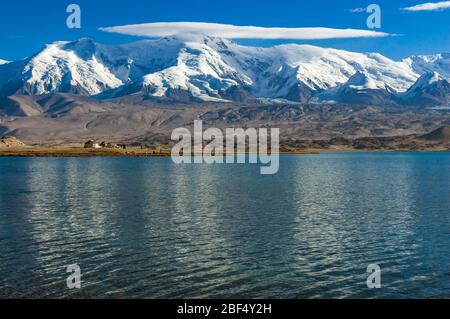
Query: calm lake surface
point(146, 228)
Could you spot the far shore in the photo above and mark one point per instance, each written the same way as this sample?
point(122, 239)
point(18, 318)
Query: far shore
point(102, 152)
point(79, 152)
point(137, 152)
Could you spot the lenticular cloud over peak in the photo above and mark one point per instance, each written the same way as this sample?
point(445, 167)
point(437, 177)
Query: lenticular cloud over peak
point(163, 29)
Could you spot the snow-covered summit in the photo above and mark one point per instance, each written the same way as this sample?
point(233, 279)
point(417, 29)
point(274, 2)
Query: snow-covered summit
point(439, 63)
point(207, 68)
point(430, 89)
point(362, 81)
point(427, 79)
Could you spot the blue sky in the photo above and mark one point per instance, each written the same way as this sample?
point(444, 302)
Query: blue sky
point(25, 26)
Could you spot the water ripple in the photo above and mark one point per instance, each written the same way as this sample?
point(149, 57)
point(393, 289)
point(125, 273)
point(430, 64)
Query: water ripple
point(145, 228)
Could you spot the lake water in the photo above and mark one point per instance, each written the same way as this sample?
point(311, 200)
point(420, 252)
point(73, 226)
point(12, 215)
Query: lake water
point(146, 228)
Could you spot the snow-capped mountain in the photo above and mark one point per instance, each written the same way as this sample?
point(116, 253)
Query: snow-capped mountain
point(430, 89)
point(359, 89)
point(439, 63)
point(203, 68)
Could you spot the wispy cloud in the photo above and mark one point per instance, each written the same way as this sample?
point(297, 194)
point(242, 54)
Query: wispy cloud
point(358, 10)
point(429, 6)
point(163, 29)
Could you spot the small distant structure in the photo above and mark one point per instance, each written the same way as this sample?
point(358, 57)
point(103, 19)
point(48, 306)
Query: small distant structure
point(91, 144)
point(108, 145)
point(105, 145)
point(122, 146)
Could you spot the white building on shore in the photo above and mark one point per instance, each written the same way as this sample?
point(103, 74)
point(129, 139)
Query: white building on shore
point(91, 144)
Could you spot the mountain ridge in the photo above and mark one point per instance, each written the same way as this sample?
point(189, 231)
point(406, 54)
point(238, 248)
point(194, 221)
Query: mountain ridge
point(430, 89)
point(202, 68)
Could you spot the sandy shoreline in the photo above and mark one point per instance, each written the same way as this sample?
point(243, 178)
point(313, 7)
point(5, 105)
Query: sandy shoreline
point(82, 152)
point(79, 152)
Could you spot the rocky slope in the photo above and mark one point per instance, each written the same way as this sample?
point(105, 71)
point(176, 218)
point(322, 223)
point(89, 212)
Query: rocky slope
point(431, 89)
point(10, 142)
point(442, 134)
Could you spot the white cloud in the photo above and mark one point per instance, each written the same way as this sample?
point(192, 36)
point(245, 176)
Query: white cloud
point(358, 10)
point(162, 29)
point(430, 6)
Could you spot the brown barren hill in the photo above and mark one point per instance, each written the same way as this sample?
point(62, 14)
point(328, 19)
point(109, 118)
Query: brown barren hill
point(441, 134)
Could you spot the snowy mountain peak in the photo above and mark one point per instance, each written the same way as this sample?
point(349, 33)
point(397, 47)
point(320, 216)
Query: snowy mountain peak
point(85, 48)
point(425, 81)
point(206, 68)
point(430, 89)
point(67, 67)
point(361, 88)
point(362, 81)
point(191, 37)
point(429, 78)
point(422, 64)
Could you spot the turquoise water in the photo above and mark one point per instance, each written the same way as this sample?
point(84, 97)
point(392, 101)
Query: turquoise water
point(146, 228)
